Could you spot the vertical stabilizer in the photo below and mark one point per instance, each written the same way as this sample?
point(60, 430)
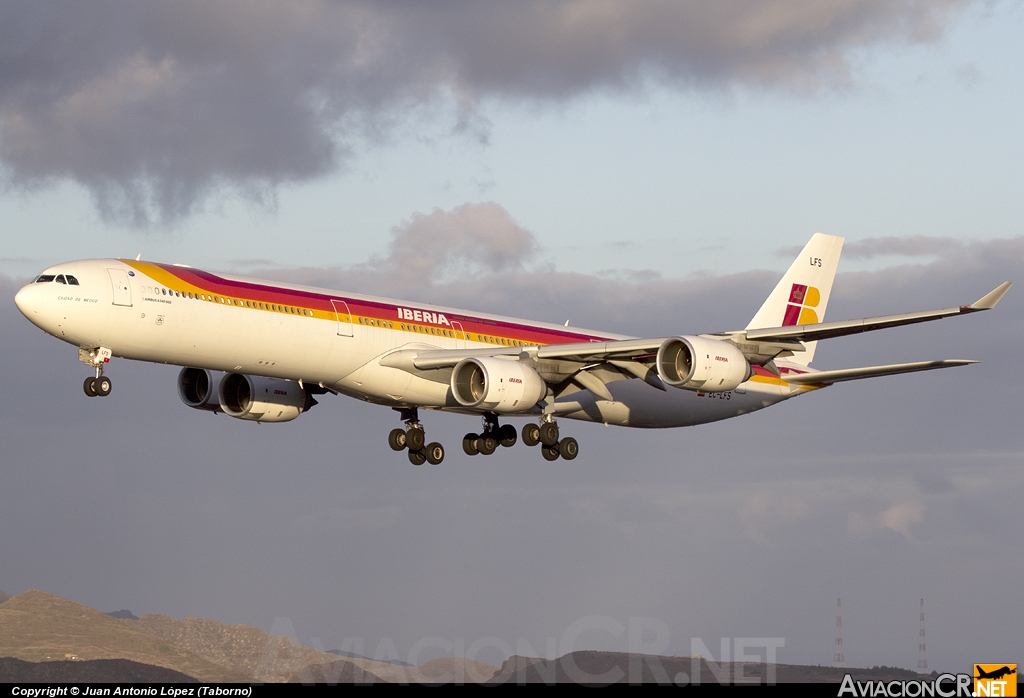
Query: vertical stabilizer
point(802, 295)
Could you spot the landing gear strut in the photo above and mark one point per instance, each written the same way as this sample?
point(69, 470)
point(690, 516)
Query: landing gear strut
point(414, 439)
point(492, 436)
point(551, 447)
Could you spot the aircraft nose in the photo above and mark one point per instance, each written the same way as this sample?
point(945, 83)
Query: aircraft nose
point(26, 302)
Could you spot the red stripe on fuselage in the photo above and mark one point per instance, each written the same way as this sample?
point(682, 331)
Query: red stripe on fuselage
point(264, 293)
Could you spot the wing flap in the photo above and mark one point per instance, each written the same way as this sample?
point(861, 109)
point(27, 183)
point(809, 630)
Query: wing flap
point(852, 374)
point(446, 358)
point(588, 351)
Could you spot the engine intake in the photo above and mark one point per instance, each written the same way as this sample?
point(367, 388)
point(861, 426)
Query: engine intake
point(197, 388)
point(697, 363)
point(497, 385)
point(262, 399)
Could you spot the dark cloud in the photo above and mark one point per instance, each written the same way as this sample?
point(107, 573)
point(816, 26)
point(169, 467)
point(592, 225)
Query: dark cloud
point(154, 106)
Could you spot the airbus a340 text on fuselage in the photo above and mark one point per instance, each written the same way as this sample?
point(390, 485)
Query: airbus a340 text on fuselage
point(260, 351)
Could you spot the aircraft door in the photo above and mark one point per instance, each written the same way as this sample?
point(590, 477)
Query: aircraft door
point(460, 336)
point(344, 318)
point(122, 290)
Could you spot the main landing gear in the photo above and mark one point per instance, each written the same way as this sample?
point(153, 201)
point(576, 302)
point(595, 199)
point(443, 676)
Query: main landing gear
point(551, 447)
point(493, 436)
point(414, 439)
point(545, 434)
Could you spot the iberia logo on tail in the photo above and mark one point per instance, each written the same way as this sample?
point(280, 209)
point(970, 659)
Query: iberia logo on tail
point(802, 302)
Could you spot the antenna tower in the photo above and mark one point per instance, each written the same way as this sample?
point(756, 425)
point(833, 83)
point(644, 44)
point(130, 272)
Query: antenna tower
point(837, 657)
point(922, 660)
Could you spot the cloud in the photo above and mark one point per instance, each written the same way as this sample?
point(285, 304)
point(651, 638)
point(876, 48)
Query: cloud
point(443, 245)
point(898, 518)
point(910, 246)
point(891, 246)
point(154, 107)
point(476, 256)
point(767, 508)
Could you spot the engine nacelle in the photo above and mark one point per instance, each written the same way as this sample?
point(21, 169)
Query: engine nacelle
point(696, 363)
point(497, 385)
point(197, 388)
point(262, 399)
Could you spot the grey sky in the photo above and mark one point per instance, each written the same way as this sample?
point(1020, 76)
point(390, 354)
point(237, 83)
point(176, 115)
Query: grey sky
point(645, 174)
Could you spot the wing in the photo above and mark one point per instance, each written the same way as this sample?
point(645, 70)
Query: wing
point(592, 365)
point(827, 330)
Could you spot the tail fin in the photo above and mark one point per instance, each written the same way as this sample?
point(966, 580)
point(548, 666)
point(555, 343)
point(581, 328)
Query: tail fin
point(802, 295)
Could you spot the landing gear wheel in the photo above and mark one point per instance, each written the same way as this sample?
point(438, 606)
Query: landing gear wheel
point(396, 439)
point(414, 439)
point(507, 436)
point(417, 457)
point(568, 448)
point(89, 387)
point(487, 444)
point(549, 434)
point(434, 453)
point(469, 444)
point(550, 452)
point(531, 434)
point(101, 385)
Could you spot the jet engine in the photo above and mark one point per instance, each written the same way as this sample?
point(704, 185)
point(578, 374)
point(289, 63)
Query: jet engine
point(697, 363)
point(497, 385)
point(197, 388)
point(263, 399)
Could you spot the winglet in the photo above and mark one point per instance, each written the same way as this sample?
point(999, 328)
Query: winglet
point(989, 301)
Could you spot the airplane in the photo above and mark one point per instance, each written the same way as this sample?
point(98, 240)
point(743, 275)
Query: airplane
point(260, 351)
point(995, 673)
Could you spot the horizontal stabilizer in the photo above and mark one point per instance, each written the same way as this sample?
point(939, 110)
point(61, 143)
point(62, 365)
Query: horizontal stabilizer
point(852, 374)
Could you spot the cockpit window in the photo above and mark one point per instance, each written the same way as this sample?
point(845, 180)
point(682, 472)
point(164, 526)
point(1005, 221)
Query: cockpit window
point(60, 279)
point(45, 279)
point(71, 280)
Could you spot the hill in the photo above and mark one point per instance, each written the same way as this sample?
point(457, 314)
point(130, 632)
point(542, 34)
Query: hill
point(4, 596)
point(619, 667)
point(258, 655)
point(40, 627)
point(94, 671)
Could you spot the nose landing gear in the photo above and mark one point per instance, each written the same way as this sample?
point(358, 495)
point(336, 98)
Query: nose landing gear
point(414, 438)
point(100, 385)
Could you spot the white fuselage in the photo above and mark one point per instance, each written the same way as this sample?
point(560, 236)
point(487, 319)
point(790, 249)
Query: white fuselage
point(183, 316)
